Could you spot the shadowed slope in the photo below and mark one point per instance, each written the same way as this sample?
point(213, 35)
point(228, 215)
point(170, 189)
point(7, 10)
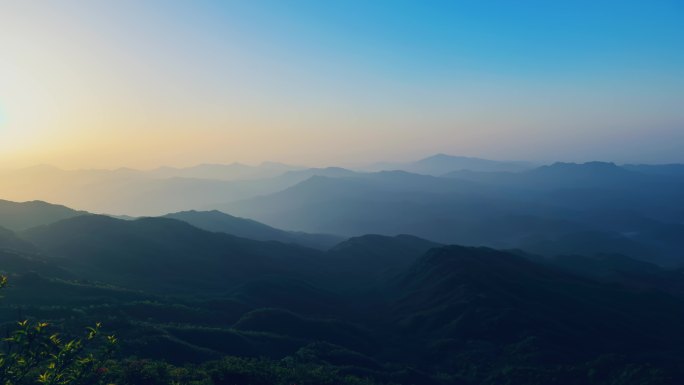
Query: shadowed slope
point(247, 228)
point(494, 301)
point(161, 253)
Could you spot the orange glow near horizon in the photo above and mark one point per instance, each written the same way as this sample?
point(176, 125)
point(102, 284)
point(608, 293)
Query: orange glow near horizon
point(106, 85)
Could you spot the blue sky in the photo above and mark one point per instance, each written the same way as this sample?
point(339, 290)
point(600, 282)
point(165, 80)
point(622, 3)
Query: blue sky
point(524, 38)
point(323, 82)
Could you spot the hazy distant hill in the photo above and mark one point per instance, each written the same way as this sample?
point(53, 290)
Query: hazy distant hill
point(20, 216)
point(586, 175)
point(389, 203)
point(234, 171)
point(658, 169)
point(329, 195)
point(331, 172)
point(636, 213)
point(441, 164)
point(247, 228)
point(654, 190)
point(151, 193)
point(599, 176)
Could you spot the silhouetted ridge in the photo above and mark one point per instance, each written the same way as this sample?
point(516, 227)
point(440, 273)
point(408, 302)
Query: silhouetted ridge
point(330, 172)
point(23, 215)
point(163, 253)
point(591, 166)
point(218, 221)
point(657, 169)
point(440, 164)
point(588, 170)
point(316, 188)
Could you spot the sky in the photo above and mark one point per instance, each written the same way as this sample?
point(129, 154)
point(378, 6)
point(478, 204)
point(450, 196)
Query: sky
point(147, 83)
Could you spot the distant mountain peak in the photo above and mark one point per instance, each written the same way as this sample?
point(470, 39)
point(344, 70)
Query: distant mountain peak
point(23, 215)
point(594, 168)
point(219, 165)
point(590, 165)
point(323, 171)
point(278, 165)
point(441, 163)
point(333, 168)
point(446, 157)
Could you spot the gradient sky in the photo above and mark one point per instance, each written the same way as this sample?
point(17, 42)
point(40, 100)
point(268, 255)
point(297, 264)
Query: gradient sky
point(145, 83)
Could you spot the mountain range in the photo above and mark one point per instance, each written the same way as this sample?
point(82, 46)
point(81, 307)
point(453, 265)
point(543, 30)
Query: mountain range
point(560, 274)
point(183, 294)
point(600, 206)
point(441, 164)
